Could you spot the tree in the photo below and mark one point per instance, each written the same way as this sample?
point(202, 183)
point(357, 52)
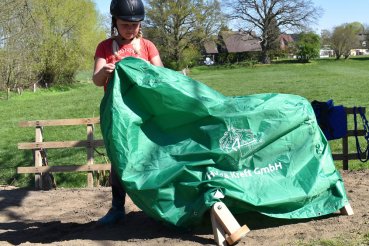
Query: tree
point(15, 28)
point(273, 32)
point(68, 35)
point(366, 34)
point(265, 15)
point(344, 38)
point(46, 41)
point(308, 46)
point(325, 38)
point(179, 27)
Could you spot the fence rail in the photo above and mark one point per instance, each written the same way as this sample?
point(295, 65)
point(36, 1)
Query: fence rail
point(40, 167)
point(90, 167)
point(346, 154)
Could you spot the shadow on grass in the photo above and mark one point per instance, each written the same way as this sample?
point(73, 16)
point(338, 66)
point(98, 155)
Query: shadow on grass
point(9, 161)
point(358, 58)
point(293, 61)
point(321, 60)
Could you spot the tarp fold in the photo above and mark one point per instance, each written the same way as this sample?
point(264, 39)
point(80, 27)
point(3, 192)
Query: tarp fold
point(177, 144)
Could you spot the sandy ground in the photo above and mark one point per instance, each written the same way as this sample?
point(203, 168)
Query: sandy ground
point(67, 217)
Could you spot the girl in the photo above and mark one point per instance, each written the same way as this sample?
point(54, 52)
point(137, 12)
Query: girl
point(126, 22)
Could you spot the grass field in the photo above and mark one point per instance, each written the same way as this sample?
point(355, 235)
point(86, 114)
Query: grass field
point(344, 81)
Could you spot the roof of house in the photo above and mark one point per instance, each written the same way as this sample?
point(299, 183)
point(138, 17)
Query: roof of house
point(236, 42)
point(285, 40)
point(211, 47)
point(286, 37)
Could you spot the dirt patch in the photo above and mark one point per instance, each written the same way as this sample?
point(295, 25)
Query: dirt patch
point(67, 217)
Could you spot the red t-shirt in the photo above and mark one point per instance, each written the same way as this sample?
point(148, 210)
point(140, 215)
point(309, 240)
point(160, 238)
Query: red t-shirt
point(105, 50)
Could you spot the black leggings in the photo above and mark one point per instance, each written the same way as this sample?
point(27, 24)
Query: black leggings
point(118, 191)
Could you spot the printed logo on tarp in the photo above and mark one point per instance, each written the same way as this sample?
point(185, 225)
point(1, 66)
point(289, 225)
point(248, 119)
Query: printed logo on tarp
point(241, 140)
point(270, 168)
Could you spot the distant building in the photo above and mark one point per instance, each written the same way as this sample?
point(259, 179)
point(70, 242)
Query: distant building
point(232, 42)
point(211, 47)
point(238, 42)
point(325, 53)
point(363, 46)
point(286, 41)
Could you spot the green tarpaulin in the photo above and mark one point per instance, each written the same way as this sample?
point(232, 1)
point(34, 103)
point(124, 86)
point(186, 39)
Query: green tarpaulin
point(179, 146)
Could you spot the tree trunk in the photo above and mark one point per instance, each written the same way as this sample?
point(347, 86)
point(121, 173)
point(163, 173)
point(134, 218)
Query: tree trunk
point(265, 59)
point(176, 57)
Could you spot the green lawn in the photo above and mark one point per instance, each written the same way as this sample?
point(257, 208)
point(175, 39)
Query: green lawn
point(345, 82)
point(79, 101)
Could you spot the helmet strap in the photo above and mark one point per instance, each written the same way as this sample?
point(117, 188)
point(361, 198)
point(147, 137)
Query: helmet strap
point(136, 44)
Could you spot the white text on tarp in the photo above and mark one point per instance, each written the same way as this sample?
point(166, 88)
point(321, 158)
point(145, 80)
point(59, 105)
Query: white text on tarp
point(246, 172)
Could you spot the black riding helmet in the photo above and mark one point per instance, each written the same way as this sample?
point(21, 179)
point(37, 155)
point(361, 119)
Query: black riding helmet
point(127, 10)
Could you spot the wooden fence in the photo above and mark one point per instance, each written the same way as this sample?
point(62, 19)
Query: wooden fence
point(38, 146)
point(346, 154)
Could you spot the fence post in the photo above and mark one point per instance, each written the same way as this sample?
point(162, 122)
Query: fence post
point(345, 153)
point(38, 157)
point(345, 150)
point(90, 154)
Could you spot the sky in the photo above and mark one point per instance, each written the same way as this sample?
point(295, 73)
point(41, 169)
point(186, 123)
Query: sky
point(335, 12)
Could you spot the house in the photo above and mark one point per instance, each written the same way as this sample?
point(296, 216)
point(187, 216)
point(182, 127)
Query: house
point(286, 41)
point(211, 47)
point(239, 42)
point(232, 42)
point(363, 46)
point(326, 52)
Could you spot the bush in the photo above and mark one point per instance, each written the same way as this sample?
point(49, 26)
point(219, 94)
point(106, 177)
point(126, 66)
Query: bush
point(308, 46)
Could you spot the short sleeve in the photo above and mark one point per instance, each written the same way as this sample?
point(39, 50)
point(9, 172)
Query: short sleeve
point(152, 51)
point(103, 49)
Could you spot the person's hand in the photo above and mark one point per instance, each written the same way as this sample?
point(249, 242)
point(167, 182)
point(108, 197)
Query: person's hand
point(108, 69)
point(102, 71)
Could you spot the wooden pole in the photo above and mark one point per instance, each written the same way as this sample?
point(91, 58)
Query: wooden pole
point(345, 151)
point(218, 231)
point(90, 154)
point(38, 157)
point(347, 210)
point(225, 226)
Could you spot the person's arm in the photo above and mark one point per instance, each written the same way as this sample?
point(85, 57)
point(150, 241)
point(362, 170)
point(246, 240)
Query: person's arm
point(102, 71)
point(156, 61)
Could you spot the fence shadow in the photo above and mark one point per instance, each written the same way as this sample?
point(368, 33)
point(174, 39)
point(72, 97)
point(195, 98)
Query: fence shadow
point(137, 227)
